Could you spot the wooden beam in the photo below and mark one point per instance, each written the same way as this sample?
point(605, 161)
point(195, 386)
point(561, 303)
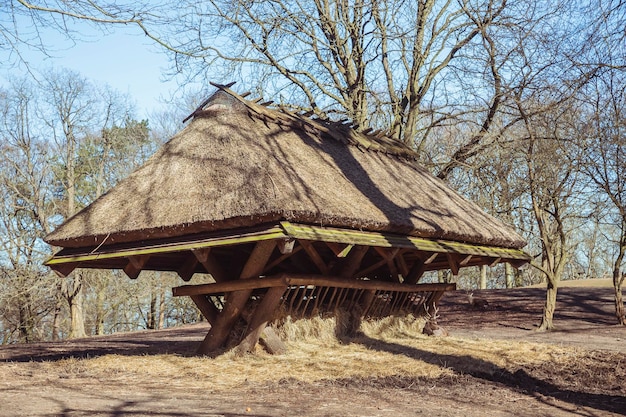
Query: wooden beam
point(453, 262)
point(363, 272)
point(261, 316)
point(495, 262)
point(208, 310)
point(281, 258)
point(466, 260)
point(340, 250)
point(63, 270)
point(416, 272)
point(353, 261)
point(258, 259)
point(135, 265)
point(431, 258)
point(236, 300)
point(206, 258)
point(314, 256)
point(188, 268)
point(302, 280)
point(401, 263)
point(272, 343)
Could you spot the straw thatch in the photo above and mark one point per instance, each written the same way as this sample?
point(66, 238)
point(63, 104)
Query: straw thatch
point(239, 164)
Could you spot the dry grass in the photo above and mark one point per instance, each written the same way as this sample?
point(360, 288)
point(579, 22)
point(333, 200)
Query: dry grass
point(387, 349)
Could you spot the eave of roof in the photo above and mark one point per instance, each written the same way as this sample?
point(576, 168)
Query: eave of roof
point(85, 257)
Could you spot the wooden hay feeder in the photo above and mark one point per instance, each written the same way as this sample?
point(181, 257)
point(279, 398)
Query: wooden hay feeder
point(259, 234)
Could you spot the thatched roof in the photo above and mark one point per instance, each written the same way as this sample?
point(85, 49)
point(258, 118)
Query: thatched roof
point(239, 164)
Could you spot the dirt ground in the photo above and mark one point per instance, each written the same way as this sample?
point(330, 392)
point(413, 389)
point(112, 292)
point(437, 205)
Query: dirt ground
point(595, 386)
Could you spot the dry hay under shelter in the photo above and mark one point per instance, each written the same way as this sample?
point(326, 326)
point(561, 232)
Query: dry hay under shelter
point(284, 213)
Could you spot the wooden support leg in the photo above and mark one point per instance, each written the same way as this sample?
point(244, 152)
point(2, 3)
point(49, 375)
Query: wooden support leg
point(261, 316)
point(224, 322)
point(236, 300)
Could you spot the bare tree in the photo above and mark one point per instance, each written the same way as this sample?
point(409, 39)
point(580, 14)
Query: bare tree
point(25, 212)
point(604, 161)
point(24, 24)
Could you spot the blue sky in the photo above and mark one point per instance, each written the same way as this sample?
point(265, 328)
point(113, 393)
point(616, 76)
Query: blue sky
point(124, 59)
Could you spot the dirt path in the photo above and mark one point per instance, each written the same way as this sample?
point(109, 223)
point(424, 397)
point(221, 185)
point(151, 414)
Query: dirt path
point(473, 388)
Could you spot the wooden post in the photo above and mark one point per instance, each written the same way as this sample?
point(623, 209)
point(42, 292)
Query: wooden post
point(236, 300)
point(261, 316)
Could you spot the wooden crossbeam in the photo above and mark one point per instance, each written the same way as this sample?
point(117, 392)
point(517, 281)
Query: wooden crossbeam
point(431, 258)
point(304, 280)
point(206, 258)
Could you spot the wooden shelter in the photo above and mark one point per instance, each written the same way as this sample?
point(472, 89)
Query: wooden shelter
point(286, 213)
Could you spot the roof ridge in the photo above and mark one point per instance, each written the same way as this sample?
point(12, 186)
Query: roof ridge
point(342, 131)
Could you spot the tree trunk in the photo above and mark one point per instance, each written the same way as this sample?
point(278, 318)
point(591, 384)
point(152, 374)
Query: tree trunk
point(509, 275)
point(100, 313)
point(618, 280)
point(73, 293)
point(26, 322)
point(550, 306)
point(483, 277)
point(161, 322)
point(152, 314)
point(56, 321)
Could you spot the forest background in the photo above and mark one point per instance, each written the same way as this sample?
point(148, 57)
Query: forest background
point(518, 105)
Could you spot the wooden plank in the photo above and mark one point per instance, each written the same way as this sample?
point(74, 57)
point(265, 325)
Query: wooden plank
point(208, 310)
point(74, 255)
point(261, 316)
point(303, 280)
point(368, 238)
point(135, 265)
point(236, 300)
